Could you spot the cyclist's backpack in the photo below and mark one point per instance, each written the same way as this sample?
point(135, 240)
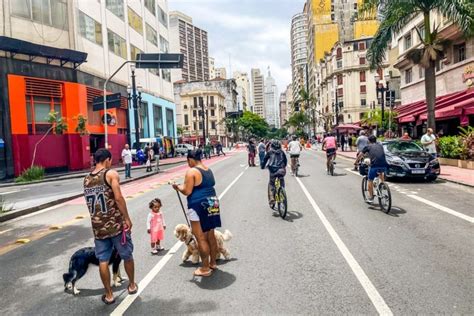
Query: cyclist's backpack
point(276, 160)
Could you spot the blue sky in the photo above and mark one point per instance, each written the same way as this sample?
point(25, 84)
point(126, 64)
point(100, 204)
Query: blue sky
point(256, 33)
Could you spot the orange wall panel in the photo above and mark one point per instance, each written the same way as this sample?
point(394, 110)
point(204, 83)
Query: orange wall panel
point(17, 97)
point(74, 103)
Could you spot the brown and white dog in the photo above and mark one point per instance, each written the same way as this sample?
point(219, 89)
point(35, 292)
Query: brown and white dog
point(183, 233)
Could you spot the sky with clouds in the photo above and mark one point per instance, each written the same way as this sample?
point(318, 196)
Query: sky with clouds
point(256, 33)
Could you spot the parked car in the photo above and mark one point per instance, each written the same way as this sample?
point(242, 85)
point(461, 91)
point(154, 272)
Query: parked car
point(407, 159)
point(182, 149)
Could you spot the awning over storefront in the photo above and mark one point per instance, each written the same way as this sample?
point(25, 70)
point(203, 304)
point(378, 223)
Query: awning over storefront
point(453, 105)
point(347, 127)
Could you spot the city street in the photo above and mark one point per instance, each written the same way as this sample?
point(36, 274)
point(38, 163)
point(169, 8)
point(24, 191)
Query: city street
point(333, 254)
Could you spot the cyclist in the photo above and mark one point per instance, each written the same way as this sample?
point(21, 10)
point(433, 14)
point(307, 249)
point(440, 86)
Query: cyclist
point(378, 164)
point(329, 145)
point(277, 163)
point(294, 148)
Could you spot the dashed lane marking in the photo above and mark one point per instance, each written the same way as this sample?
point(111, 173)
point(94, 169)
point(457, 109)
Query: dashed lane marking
point(129, 299)
point(377, 300)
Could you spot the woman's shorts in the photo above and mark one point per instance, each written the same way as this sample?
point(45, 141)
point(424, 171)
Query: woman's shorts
point(208, 213)
point(192, 215)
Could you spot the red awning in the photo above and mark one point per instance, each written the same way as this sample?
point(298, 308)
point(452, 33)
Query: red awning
point(447, 106)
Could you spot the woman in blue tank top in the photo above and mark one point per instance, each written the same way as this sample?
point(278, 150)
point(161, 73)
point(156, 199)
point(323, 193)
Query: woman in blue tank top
point(203, 209)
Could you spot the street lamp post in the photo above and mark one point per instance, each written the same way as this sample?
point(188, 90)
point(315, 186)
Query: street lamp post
point(203, 115)
point(336, 108)
point(135, 98)
point(382, 90)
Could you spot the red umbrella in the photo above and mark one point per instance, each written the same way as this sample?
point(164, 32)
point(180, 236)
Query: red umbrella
point(348, 128)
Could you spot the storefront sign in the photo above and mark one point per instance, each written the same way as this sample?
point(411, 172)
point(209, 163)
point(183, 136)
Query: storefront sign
point(2, 143)
point(468, 75)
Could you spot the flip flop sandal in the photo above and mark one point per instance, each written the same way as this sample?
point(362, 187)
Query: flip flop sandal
point(207, 274)
point(106, 302)
point(213, 268)
point(134, 291)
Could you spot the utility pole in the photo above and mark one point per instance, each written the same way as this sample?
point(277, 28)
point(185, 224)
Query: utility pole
point(201, 101)
point(135, 109)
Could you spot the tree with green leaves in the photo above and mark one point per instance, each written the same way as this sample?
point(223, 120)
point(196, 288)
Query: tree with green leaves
point(396, 14)
point(252, 124)
point(298, 121)
point(374, 118)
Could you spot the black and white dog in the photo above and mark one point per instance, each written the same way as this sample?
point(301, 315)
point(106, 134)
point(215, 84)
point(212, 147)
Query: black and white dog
point(79, 264)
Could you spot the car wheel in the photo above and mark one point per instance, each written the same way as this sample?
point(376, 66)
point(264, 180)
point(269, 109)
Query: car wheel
point(431, 178)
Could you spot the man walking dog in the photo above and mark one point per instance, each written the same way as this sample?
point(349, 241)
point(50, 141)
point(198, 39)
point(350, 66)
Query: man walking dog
point(111, 223)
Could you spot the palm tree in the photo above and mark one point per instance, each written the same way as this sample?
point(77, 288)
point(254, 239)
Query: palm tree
point(397, 13)
point(306, 102)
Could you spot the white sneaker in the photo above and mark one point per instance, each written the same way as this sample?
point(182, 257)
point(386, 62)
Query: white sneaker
point(154, 251)
point(370, 200)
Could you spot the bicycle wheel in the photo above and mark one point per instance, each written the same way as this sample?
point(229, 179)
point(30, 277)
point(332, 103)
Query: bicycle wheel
point(365, 190)
point(282, 203)
point(271, 205)
point(296, 169)
point(385, 197)
point(331, 167)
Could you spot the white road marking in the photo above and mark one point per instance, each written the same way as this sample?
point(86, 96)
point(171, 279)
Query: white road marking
point(352, 171)
point(10, 192)
point(5, 231)
point(443, 208)
point(377, 300)
point(129, 299)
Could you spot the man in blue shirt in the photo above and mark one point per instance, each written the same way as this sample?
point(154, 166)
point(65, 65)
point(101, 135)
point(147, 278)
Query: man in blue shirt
point(378, 164)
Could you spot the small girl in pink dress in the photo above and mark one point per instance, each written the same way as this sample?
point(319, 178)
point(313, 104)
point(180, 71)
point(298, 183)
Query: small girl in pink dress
point(156, 225)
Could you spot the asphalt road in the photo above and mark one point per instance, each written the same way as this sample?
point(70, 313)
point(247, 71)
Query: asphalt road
point(332, 255)
point(30, 195)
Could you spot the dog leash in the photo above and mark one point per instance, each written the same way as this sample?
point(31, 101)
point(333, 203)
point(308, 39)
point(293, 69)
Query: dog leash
point(182, 207)
point(123, 241)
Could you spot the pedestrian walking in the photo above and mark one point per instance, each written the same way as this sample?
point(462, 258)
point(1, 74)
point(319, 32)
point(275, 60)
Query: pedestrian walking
point(156, 152)
point(219, 149)
point(207, 151)
point(349, 142)
point(343, 142)
point(111, 224)
point(127, 161)
point(150, 156)
point(156, 225)
point(261, 152)
point(428, 141)
point(252, 150)
point(405, 136)
point(203, 210)
point(361, 142)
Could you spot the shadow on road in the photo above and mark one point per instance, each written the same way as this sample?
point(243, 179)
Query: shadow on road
point(100, 291)
point(174, 306)
point(394, 211)
point(219, 280)
point(292, 216)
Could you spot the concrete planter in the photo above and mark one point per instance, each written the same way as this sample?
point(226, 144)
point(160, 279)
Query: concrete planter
point(465, 164)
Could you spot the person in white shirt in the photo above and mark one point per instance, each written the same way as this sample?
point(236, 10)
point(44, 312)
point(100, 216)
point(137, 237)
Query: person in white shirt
point(294, 148)
point(429, 142)
point(127, 161)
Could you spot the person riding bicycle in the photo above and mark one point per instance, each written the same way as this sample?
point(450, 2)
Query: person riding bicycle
point(277, 162)
point(330, 146)
point(378, 164)
point(294, 148)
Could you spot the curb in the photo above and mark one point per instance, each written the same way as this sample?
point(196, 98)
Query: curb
point(14, 214)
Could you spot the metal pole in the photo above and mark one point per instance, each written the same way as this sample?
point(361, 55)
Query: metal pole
point(382, 103)
point(135, 111)
point(203, 121)
point(337, 116)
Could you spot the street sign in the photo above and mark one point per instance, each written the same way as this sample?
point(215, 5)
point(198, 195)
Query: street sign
point(160, 61)
point(2, 143)
point(113, 101)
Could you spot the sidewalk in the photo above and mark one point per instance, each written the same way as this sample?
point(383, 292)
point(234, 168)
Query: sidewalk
point(449, 173)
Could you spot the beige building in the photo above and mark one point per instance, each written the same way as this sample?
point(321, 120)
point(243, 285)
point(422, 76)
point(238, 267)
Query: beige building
point(188, 39)
point(258, 98)
point(212, 68)
point(221, 72)
point(345, 75)
point(299, 60)
point(452, 78)
point(243, 89)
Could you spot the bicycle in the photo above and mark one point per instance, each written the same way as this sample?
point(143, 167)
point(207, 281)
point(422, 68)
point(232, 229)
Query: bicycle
point(381, 190)
point(295, 165)
point(331, 164)
point(279, 196)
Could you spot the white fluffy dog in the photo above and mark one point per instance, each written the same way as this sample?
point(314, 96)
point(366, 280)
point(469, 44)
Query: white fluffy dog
point(183, 233)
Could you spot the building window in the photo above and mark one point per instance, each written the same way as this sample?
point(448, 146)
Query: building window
point(166, 73)
point(408, 76)
point(339, 64)
point(363, 103)
point(361, 60)
point(340, 92)
point(339, 80)
point(194, 126)
point(164, 45)
point(195, 102)
point(162, 17)
point(158, 120)
point(116, 7)
point(90, 29)
point(186, 120)
point(421, 72)
point(459, 52)
point(363, 89)
point(361, 45)
point(143, 112)
point(408, 41)
point(362, 76)
point(151, 34)
point(355, 46)
point(52, 12)
point(37, 112)
point(212, 100)
point(150, 5)
point(213, 112)
point(135, 21)
point(339, 53)
point(170, 122)
point(134, 51)
point(117, 45)
point(194, 113)
point(421, 29)
point(213, 124)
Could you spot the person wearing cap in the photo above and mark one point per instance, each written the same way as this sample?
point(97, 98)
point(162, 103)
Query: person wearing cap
point(361, 142)
point(277, 163)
